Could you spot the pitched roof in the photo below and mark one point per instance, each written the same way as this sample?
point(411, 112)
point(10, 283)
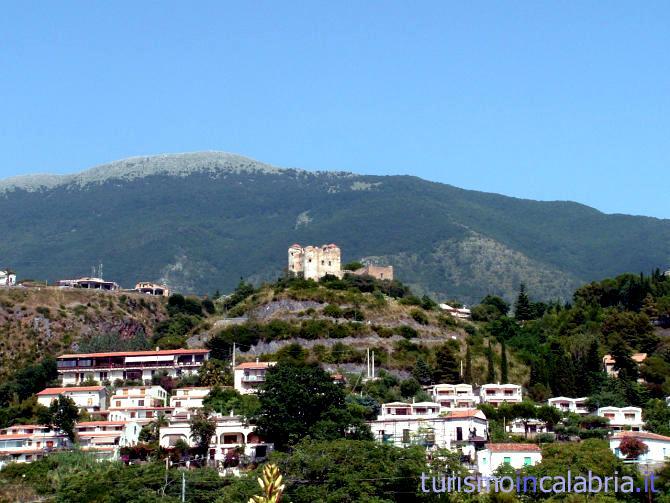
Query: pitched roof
point(511, 447)
point(254, 365)
point(464, 413)
point(58, 391)
point(644, 435)
point(139, 353)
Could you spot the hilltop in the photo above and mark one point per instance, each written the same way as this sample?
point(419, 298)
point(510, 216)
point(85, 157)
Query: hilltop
point(200, 221)
point(38, 322)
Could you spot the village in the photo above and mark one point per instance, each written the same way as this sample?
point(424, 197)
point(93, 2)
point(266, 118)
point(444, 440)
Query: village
point(119, 395)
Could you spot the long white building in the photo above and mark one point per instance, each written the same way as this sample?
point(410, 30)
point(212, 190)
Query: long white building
point(623, 418)
point(565, 404)
point(88, 398)
point(141, 366)
point(496, 394)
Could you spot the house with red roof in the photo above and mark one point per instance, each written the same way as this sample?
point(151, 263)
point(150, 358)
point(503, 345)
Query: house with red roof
point(517, 456)
point(658, 447)
point(75, 369)
point(249, 375)
point(88, 398)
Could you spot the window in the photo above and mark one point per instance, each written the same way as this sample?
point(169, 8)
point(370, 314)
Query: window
point(405, 436)
point(526, 461)
point(140, 403)
point(118, 403)
point(507, 460)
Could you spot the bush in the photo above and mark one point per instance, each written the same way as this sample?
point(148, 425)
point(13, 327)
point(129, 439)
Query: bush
point(407, 332)
point(332, 310)
point(419, 316)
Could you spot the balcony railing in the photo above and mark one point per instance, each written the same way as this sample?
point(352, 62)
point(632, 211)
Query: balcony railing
point(130, 365)
point(253, 378)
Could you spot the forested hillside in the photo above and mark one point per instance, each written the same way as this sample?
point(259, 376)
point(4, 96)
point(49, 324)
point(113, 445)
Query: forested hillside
point(200, 221)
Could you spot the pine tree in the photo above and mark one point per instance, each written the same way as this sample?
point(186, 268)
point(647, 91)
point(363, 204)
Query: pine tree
point(522, 307)
point(504, 378)
point(467, 376)
point(447, 369)
point(491, 375)
point(422, 371)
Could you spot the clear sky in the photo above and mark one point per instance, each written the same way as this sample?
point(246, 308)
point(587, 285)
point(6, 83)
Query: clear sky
point(543, 100)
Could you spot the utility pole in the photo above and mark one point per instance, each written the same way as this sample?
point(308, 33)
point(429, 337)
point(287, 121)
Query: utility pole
point(367, 359)
point(233, 356)
point(373, 364)
point(183, 487)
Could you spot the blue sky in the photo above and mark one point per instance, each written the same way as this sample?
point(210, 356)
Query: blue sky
point(560, 100)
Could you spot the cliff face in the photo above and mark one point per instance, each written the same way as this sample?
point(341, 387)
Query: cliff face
point(41, 321)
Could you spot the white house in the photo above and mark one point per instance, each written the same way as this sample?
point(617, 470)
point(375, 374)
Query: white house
point(233, 434)
point(495, 394)
point(565, 404)
point(29, 442)
point(530, 427)
point(658, 446)
point(516, 455)
point(74, 369)
point(141, 404)
point(457, 312)
point(623, 418)
point(454, 396)
point(7, 278)
point(248, 376)
point(107, 437)
point(188, 398)
point(403, 424)
point(89, 398)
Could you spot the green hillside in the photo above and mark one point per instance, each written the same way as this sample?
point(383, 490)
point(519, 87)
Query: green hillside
point(200, 221)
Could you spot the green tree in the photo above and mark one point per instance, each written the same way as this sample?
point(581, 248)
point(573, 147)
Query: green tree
point(467, 374)
point(522, 308)
point(203, 427)
point(301, 400)
point(657, 417)
point(225, 400)
point(215, 373)
point(422, 371)
point(491, 371)
point(447, 369)
point(503, 363)
point(63, 415)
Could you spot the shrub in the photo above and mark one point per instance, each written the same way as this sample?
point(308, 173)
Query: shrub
point(419, 316)
point(332, 310)
point(407, 332)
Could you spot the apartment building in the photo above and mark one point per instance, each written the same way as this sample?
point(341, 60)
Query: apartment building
point(454, 396)
point(88, 398)
point(518, 456)
point(496, 394)
point(188, 398)
point(424, 423)
point(139, 403)
point(233, 434)
point(248, 376)
point(141, 366)
point(107, 437)
point(565, 404)
point(623, 418)
point(29, 442)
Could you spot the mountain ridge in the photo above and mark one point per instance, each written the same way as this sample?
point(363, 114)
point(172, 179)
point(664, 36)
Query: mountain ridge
point(199, 221)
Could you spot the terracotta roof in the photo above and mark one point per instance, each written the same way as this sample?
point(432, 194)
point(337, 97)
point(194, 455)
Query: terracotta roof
point(463, 413)
point(101, 423)
point(254, 365)
point(637, 357)
point(58, 391)
point(644, 435)
point(510, 447)
point(139, 353)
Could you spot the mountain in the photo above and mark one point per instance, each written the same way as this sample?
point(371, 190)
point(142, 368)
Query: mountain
point(200, 221)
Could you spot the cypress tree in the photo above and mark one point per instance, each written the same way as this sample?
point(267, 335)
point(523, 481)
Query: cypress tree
point(467, 376)
point(491, 374)
point(504, 378)
point(447, 369)
point(422, 371)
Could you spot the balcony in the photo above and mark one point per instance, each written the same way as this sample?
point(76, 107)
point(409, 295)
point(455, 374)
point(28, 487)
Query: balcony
point(127, 366)
point(253, 378)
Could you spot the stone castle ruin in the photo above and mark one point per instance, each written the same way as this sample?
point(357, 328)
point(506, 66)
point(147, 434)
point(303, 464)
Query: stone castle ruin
point(314, 262)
